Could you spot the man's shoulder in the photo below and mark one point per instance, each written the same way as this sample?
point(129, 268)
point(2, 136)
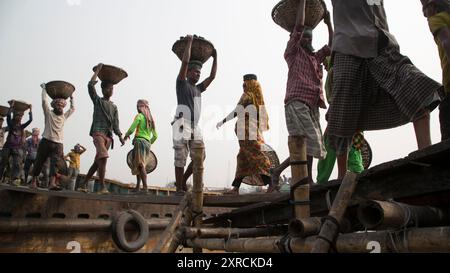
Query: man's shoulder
point(108, 103)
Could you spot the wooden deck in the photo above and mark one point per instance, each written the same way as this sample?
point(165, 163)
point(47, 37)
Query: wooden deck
point(209, 201)
point(421, 178)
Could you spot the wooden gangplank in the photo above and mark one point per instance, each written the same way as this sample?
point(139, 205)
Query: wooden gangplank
point(209, 201)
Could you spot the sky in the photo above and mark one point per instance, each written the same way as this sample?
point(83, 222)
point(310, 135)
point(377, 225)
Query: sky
point(48, 40)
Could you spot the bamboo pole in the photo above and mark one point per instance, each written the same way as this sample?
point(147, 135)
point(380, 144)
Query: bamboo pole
point(393, 215)
point(9, 225)
point(168, 235)
point(305, 227)
point(233, 232)
point(297, 151)
point(415, 240)
point(330, 228)
point(197, 189)
point(179, 235)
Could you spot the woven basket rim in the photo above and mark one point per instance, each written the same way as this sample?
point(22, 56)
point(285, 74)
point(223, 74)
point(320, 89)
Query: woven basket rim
point(118, 71)
point(206, 42)
point(282, 2)
point(61, 81)
point(3, 111)
point(22, 105)
point(129, 161)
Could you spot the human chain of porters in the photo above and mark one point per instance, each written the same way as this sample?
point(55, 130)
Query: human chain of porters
point(370, 85)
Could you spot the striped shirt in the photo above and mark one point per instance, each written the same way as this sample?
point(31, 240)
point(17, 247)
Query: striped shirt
point(305, 72)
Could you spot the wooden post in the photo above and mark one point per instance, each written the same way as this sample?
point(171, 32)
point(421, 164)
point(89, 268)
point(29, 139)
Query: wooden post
point(393, 215)
point(168, 235)
point(331, 225)
point(297, 151)
point(197, 189)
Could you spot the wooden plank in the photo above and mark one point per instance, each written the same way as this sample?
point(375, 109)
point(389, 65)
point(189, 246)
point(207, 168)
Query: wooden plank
point(210, 201)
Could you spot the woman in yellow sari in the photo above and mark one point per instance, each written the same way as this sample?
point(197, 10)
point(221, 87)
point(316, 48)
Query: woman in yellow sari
point(253, 165)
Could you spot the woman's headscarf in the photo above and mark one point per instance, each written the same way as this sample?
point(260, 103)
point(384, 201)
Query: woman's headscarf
point(144, 109)
point(253, 89)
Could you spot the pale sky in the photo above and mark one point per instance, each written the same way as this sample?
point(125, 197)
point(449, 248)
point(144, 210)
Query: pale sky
point(49, 40)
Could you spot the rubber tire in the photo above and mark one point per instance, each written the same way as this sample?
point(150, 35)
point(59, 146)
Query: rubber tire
point(118, 231)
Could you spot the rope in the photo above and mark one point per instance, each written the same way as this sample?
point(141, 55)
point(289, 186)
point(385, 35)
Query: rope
point(332, 243)
point(292, 201)
point(196, 214)
point(299, 203)
point(298, 162)
point(284, 244)
point(333, 220)
point(394, 244)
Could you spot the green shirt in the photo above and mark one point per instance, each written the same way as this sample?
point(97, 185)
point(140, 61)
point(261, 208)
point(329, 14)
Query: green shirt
point(436, 23)
point(142, 131)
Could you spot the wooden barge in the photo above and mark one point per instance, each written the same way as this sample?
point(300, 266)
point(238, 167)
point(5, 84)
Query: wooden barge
point(398, 206)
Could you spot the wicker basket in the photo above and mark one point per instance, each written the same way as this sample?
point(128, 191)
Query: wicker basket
point(59, 89)
point(271, 154)
point(20, 106)
point(366, 153)
point(151, 165)
point(3, 111)
point(201, 49)
point(284, 13)
point(111, 74)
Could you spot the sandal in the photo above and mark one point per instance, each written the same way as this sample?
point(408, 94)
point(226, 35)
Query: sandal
point(82, 189)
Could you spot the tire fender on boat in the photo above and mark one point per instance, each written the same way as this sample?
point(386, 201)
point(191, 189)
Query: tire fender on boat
point(118, 231)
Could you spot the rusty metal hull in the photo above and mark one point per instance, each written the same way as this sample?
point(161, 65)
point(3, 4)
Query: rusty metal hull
point(66, 242)
point(76, 222)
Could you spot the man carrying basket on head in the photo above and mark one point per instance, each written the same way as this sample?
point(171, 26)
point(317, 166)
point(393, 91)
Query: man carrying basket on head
point(186, 134)
point(105, 121)
point(51, 146)
point(304, 92)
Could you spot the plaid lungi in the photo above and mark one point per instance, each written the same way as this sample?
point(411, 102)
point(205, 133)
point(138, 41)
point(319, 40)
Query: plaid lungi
point(304, 121)
point(377, 93)
point(141, 154)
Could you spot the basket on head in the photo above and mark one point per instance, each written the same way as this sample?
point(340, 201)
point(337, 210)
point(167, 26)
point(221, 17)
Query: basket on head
point(366, 153)
point(284, 13)
point(111, 74)
point(3, 111)
point(201, 49)
point(271, 154)
point(20, 106)
point(59, 89)
point(151, 164)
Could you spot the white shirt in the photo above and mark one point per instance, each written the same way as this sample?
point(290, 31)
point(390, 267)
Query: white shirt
point(54, 124)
